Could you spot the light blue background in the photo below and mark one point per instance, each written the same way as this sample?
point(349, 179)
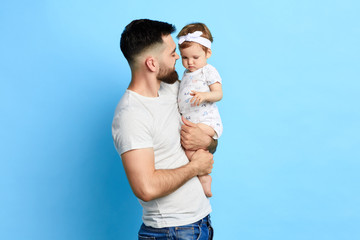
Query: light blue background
point(287, 166)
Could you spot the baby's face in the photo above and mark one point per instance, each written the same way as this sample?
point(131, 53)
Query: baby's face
point(194, 57)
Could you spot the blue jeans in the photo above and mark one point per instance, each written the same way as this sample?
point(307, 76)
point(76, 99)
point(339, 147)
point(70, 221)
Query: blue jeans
point(200, 230)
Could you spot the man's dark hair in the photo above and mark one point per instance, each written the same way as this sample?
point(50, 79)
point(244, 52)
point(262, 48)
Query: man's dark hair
point(141, 34)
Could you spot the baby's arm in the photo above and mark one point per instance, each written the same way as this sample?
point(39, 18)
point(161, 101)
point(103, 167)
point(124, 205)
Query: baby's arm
point(214, 95)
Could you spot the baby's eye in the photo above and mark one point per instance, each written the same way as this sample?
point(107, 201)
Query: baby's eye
point(196, 57)
point(184, 57)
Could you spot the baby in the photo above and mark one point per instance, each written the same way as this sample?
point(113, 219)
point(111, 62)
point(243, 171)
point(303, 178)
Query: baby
point(200, 86)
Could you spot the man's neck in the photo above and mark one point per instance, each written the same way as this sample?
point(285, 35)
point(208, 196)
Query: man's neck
point(145, 85)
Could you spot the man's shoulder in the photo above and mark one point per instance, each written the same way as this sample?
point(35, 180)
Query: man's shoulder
point(130, 108)
point(131, 124)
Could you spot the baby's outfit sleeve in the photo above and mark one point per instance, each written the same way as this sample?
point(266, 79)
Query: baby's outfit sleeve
point(212, 76)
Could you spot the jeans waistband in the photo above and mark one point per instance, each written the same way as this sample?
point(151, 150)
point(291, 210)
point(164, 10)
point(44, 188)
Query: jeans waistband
point(205, 220)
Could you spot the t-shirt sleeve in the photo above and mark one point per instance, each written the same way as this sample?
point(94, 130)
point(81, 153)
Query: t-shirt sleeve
point(212, 75)
point(131, 130)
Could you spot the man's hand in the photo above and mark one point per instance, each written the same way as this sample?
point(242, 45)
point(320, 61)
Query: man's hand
point(203, 162)
point(192, 137)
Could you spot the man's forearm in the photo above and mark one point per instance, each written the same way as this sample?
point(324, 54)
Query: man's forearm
point(149, 183)
point(165, 181)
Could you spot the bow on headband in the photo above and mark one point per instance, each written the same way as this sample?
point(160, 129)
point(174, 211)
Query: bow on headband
point(195, 37)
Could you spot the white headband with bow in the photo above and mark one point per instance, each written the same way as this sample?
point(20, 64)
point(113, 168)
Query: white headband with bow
point(195, 37)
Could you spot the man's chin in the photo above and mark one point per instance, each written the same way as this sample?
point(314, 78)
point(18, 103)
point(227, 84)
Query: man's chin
point(170, 78)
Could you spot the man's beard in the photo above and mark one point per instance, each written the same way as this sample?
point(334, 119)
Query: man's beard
point(169, 76)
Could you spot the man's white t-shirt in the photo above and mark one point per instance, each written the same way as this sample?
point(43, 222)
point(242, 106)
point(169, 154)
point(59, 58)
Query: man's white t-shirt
point(144, 122)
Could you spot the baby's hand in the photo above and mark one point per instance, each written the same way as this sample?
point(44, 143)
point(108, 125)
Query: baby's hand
point(198, 98)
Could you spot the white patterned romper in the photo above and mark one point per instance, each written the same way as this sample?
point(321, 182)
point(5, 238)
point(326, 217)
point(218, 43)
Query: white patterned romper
point(206, 112)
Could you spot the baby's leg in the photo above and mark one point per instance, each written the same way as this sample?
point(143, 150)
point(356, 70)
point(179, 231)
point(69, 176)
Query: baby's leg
point(206, 184)
point(189, 153)
point(206, 179)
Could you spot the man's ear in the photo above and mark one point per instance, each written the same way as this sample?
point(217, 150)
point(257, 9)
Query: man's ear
point(151, 64)
point(208, 53)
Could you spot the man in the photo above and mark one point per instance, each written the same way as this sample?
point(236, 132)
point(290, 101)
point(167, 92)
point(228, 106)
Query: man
point(146, 131)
